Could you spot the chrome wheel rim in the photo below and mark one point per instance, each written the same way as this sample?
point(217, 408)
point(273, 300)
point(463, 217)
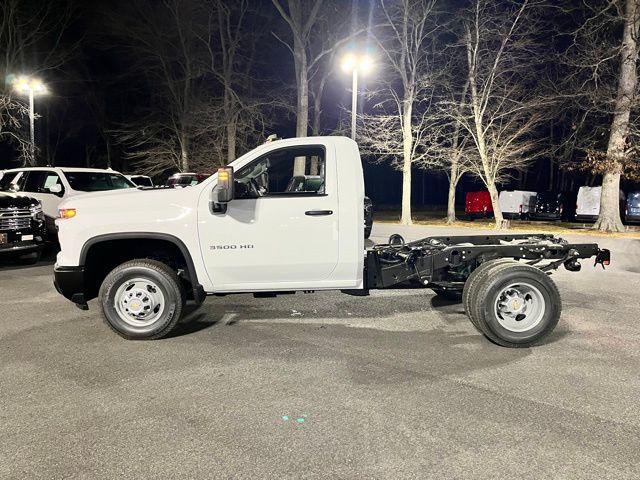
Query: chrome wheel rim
point(139, 302)
point(520, 307)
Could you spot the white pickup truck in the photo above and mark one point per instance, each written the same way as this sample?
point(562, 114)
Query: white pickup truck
point(287, 217)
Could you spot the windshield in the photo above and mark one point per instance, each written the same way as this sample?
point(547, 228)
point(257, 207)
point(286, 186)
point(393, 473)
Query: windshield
point(548, 196)
point(97, 181)
point(634, 199)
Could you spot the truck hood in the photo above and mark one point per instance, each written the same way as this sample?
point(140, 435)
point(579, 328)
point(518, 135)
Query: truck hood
point(108, 193)
point(11, 200)
point(134, 199)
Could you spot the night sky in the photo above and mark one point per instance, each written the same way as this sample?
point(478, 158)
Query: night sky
point(94, 89)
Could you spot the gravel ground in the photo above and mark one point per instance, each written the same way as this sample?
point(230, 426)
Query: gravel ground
point(395, 385)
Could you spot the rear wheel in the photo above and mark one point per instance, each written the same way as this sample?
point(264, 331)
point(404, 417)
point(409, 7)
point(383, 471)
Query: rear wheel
point(478, 276)
point(142, 299)
point(515, 305)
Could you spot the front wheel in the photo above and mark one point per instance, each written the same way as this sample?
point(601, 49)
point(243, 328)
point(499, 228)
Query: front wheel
point(142, 299)
point(516, 306)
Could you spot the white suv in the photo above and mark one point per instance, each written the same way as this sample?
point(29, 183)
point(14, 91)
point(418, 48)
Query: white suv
point(51, 185)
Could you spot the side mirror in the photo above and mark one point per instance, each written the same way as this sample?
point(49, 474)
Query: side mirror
point(224, 192)
point(56, 189)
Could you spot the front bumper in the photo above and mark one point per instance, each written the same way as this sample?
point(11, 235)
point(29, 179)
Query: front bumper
point(70, 283)
point(20, 248)
point(632, 217)
point(546, 216)
point(512, 215)
point(586, 218)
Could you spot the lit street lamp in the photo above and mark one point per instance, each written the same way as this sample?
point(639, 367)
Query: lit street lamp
point(356, 64)
point(31, 87)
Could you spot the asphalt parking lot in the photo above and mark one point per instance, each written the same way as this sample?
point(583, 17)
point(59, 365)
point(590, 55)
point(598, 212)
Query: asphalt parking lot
point(395, 385)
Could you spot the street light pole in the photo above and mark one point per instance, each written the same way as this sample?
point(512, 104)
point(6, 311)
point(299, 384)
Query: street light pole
point(31, 87)
point(356, 65)
point(354, 103)
point(32, 129)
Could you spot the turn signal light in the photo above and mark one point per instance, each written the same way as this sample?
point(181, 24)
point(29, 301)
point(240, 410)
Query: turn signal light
point(67, 213)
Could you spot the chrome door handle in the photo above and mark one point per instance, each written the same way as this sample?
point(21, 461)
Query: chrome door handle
point(318, 213)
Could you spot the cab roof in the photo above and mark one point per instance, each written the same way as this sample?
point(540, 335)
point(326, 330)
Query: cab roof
point(63, 169)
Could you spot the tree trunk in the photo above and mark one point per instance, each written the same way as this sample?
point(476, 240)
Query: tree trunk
point(451, 200)
point(497, 211)
point(488, 177)
point(317, 108)
point(232, 128)
point(407, 146)
point(609, 218)
point(184, 155)
point(302, 107)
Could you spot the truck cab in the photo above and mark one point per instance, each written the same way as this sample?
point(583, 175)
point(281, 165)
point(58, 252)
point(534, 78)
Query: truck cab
point(269, 237)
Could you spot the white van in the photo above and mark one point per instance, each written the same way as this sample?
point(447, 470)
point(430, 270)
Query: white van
point(51, 185)
point(588, 203)
point(516, 203)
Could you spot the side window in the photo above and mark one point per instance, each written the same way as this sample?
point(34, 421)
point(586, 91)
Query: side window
point(7, 182)
point(34, 181)
point(42, 182)
point(289, 171)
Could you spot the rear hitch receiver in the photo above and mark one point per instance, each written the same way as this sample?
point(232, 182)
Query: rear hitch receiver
point(603, 257)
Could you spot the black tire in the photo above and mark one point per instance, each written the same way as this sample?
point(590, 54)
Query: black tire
point(478, 276)
point(367, 231)
point(487, 292)
point(448, 294)
point(170, 288)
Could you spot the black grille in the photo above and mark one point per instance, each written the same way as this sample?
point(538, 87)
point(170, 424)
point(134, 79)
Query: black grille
point(15, 219)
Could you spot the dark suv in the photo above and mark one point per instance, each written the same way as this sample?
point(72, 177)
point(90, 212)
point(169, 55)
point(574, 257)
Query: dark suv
point(552, 205)
point(22, 227)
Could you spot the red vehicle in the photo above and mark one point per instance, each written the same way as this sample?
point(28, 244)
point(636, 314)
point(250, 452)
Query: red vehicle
point(478, 204)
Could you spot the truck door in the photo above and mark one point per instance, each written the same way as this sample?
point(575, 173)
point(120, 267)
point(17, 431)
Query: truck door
point(281, 229)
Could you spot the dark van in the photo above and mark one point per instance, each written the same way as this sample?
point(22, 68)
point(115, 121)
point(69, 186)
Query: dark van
point(551, 205)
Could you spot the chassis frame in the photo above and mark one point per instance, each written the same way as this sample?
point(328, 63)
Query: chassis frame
point(445, 262)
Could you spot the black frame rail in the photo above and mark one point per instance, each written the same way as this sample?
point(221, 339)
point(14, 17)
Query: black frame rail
point(448, 260)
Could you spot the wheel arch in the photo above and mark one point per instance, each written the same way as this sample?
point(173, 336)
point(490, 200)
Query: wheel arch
point(110, 240)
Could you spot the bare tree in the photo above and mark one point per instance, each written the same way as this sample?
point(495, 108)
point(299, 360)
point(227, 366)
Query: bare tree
point(405, 37)
point(12, 114)
point(609, 219)
point(601, 92)
point(505, 110)
point(313, 54)
point(163, 48)
point(301, 16)
point(31, 37)
point(451, 149)
point(234, 34)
